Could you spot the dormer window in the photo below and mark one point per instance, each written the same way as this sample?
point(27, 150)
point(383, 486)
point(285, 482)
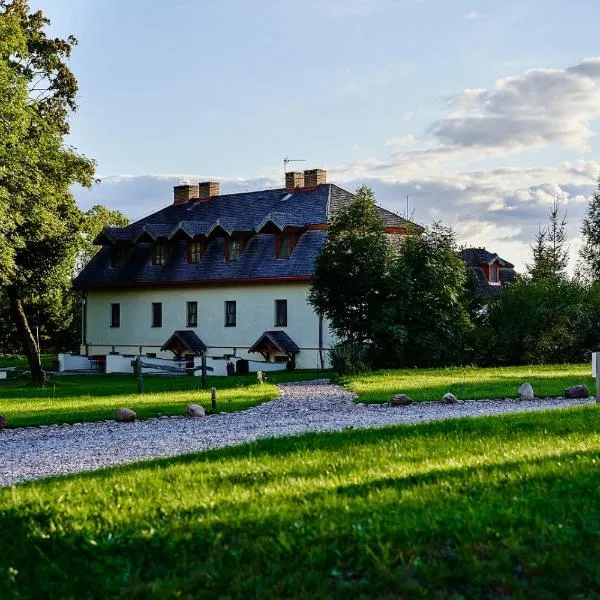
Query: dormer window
point(195, 250)
point(284, 244)
point(117, 257)
point(159, 254)
point(494, 274)
point(233, 249)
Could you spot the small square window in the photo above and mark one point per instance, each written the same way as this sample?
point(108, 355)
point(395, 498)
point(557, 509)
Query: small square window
point(115, 315)
point(192, 314)
point(281, 313)
point(157, 314)
point(195, 251)
point(159, 254)
point(230, 313)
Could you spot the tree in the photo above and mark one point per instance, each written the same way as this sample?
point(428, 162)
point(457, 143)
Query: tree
point(590, 231)
point(549, 252)
point(94, 221)
point(426, 318)
point(351, 271)
point(41, 233)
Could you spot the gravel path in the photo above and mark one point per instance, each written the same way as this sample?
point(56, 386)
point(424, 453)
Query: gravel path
point(35, 452)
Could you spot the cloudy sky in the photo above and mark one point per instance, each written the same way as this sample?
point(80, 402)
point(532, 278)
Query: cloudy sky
point(480, 112)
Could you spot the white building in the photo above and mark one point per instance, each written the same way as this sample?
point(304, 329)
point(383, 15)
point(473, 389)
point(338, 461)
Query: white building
point(235, 269)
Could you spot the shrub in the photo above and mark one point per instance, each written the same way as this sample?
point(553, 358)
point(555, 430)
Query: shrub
point(350, 358)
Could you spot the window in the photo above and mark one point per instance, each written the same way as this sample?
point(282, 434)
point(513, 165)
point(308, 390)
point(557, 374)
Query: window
point(234, 248)
point(192, 314)
point(230, 313)
point(115, 315)
point(157, 314)
point(195, 251)
point(284, 245)
point(159, 254)
point(493, 273)
point(117, 257)
point(281, 313)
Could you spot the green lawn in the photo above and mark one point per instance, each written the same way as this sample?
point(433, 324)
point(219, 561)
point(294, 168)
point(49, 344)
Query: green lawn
point(469, 383)
point(77, 398)
point(480, 508)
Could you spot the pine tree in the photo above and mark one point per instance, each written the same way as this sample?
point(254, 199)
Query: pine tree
point(590, 230)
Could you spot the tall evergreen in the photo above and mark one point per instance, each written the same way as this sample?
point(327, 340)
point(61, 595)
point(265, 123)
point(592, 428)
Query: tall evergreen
point(590, 231)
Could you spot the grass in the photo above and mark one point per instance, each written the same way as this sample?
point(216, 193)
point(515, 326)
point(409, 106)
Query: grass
point(469, 383)
point(77, 398)
point(480, 508)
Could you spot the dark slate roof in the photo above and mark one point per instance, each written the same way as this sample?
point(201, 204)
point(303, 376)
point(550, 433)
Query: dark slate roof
point(188, 339)
point(280, 339)
point(249, 212)
point(481, 256)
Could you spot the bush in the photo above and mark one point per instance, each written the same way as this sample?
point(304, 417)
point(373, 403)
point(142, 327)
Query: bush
point(349, 358)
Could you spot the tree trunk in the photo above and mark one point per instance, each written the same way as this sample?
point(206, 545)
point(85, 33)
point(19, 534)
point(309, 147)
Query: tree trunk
point(30, 347)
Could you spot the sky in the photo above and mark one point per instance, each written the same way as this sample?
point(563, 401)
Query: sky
point(481, 112)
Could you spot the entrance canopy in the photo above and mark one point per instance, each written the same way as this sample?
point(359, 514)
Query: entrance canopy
point(275, 342)
point(184, 342)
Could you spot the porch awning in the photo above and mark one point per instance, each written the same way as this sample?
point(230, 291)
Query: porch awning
point(275, 341)
point(184, 342)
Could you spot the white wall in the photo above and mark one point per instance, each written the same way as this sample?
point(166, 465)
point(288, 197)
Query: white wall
point(255, 314)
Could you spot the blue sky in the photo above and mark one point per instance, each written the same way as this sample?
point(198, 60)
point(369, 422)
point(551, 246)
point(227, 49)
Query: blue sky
point(480, 111)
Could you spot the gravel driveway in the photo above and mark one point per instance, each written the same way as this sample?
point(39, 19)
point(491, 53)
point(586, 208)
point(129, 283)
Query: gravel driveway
point(35, 452)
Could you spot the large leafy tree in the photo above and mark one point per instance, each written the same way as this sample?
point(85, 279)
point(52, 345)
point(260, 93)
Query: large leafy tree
point(426, 318)
point(40, 236)
point(351, 270)
point(590, 231)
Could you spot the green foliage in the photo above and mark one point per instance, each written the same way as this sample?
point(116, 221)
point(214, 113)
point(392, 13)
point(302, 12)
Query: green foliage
point(426, 317)
point(41, 224)
point(350, 358)
point(590, 231)
point(94, 221)
point(479, 508)
point(351, 271)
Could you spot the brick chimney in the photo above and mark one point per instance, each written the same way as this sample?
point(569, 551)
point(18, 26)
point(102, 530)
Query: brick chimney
point(314, 177)
point(208, 189)
point(183, 193)
point(293, 180)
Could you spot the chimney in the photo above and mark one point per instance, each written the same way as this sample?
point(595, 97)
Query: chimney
point(314, 177)
point(183, 193)
point(294, 180)
point(208, 189)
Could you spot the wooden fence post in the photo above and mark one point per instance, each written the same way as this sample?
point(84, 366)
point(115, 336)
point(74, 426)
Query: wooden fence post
point(597, 358)
point(213, 398)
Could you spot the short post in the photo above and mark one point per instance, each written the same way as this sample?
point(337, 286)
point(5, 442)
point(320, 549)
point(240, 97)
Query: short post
point(596, 356)
point(204, 373)
point(213, 398)
point(140, 379)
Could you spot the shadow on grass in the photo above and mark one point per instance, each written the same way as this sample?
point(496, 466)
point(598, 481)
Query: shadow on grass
point(463, 532)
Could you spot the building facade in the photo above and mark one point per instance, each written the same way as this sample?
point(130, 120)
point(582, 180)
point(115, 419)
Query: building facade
point(234, 268)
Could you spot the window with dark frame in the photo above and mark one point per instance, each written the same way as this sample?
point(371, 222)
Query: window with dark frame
point(284, 245)
point(230, 313)
point(192, 314)
point(280, 313)
point(159, 254)
point(115, 315)
point(117, 257)
point(195, 251)
point(234, 249)
point(157, 314)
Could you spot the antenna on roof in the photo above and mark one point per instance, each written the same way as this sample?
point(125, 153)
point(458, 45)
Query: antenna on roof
point(287, 160)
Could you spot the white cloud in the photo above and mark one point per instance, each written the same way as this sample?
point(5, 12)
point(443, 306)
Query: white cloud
point(474, 15)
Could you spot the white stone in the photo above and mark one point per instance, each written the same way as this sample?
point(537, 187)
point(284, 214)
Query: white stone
point(195, 410)
point(526, 392)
